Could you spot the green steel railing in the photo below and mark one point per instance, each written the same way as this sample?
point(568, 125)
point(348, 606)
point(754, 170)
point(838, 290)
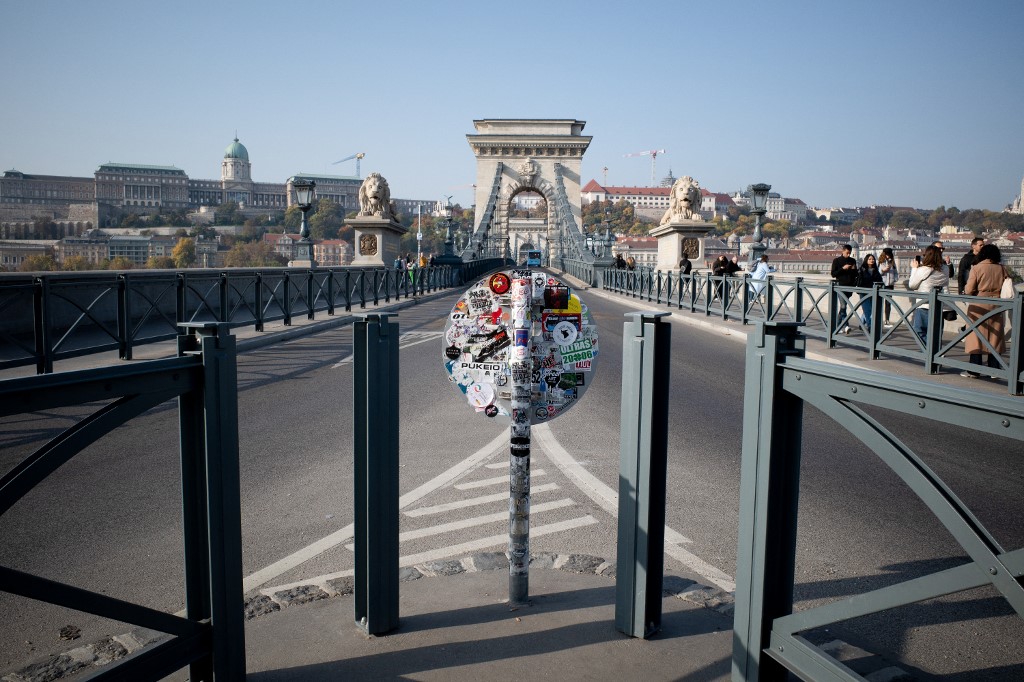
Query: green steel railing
point(767, 636)
point(210, 638)
point(826, 310)
point(54, 316)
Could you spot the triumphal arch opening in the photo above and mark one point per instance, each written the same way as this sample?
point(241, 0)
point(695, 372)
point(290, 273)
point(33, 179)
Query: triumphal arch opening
point(527, 185)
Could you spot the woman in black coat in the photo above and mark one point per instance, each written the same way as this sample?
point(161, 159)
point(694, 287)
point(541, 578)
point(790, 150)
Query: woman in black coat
point(868, 275)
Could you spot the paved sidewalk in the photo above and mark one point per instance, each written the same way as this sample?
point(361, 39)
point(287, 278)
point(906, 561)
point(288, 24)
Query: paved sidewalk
point(461, 627)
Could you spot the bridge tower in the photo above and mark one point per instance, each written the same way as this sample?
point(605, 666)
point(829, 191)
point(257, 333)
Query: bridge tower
point(527, 155)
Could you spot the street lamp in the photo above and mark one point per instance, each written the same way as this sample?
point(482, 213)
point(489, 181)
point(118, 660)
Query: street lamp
point(305, 191)
point(759, 200)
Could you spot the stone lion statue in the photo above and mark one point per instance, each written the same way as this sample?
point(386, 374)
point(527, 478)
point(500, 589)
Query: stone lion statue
point(375, 197)
point(684, 201)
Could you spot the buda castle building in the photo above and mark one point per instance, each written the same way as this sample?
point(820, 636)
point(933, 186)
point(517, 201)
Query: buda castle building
point(77, 204)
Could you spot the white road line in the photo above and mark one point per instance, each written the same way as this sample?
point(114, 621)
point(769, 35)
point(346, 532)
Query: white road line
point(497, 465)
point(608, 499)
point(484, 482)
point(442, 553)
point(403, 342)
point(476, 521)
point(467, 465)
point(475, 501)
point(493, 541)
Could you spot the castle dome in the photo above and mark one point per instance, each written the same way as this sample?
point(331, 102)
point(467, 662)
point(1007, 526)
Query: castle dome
point(236, 150)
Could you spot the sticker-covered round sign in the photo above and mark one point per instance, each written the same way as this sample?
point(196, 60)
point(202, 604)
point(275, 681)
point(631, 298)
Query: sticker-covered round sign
point(498, 351)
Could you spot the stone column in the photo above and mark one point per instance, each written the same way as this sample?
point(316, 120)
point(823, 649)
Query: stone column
point(677, 238)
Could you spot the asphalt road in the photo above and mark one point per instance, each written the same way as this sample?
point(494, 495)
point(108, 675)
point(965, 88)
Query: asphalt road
point(110, 519)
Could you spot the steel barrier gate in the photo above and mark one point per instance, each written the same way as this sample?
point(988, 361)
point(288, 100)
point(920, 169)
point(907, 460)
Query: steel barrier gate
point(766, 637)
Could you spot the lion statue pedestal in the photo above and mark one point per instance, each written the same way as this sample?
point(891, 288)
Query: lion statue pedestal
point(378, 233)
point(677, 238)
point(681, 227)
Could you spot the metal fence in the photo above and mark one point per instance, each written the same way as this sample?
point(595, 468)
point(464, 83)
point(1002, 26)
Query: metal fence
point(768, 636)
point(53, 316)
point(210, 639)
point(827, 310)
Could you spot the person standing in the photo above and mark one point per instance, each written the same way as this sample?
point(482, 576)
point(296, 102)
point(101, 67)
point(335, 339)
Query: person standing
point(844, 272)
point(967, 262)
point(890, 275)
point(947, 264)
point(986, 280)
point(685, 266)
point(759, 277)
point(869, 276)
point(930, 274)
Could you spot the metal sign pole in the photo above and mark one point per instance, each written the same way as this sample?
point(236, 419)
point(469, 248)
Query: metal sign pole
point(519, 446)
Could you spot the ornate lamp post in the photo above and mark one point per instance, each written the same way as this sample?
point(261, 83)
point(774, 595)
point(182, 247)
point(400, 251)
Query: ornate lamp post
point(305, 192)
point(759, 201)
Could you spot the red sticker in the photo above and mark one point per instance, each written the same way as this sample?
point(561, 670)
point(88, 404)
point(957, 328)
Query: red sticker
point(499, 283)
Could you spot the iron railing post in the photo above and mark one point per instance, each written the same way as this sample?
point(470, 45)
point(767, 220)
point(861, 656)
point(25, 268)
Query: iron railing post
point(875, 321)
point(309, 293)
point(124, 324)
point(44, 340)
point(375, 431)
point(933, 334)
point(769, 489)
point(745, 299)
point(798, 305)
point(833, 315)
point(643, 460)
point(210, 470)
point(225, 304)
point(259, 301)
point(330, 291)
point(286, 292)
point(1016, 359)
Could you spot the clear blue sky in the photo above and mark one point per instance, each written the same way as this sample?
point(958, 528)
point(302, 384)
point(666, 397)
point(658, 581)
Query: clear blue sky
point(839, 103)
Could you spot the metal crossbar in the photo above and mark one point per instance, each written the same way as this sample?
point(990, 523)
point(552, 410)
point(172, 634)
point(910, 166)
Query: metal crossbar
point(779, 381)
point(210, 638)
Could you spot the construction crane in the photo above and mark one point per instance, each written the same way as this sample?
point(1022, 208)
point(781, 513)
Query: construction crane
point(357, 156)
point(653, 153)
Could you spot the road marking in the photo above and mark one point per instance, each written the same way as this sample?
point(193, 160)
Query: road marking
point(475, 501)
point(262, 576)
point(493, 541)
point(608, 499)
point(404, 341)
point(476, 521)
point(484, 482)
point(445, 552)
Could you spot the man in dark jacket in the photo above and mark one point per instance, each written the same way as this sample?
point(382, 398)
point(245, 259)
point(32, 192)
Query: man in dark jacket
point(685, 265)
point(844, 272)
point(968, 261)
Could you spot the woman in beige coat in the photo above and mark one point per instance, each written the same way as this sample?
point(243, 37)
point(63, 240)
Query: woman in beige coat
point(986, 279)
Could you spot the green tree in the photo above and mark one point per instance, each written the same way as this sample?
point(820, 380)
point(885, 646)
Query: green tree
point(908, 220)
point(202, 231)
point(228, 213)
point(253, 255)
point(325, 223)
point(184, 253)
point(76, 263)
point(292, 219)
point(37, 264)
point(120, 263)
point(160, 263)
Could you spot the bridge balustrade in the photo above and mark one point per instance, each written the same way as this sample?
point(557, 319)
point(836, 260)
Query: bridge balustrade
point(769, 638)
point(53, 316)
point(819, 306)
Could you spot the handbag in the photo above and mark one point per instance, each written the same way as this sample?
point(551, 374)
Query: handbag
point(1007, 291)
